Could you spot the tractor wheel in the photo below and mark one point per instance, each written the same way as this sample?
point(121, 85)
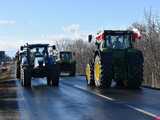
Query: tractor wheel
point(53, 76)
point(135, 77)
point(135, 73)
point(48, 80)
point(102, 76)
point(119, 76)
point(55, 80)
point(18, 69)
point(120, 83)
point(18, 72)
point(73, 71)
point(26, 77)
point(90, 75)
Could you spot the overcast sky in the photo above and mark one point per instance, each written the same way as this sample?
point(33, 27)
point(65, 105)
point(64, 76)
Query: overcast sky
point(39, 21)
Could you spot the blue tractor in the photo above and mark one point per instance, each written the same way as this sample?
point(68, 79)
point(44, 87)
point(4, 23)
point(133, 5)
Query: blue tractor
point(38, 61)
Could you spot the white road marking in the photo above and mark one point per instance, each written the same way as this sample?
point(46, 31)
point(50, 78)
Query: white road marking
point(142, 111)
point(98, 94)
point(112, 99)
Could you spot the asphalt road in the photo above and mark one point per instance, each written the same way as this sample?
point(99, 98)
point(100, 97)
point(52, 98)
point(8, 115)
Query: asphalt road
point(73, 100)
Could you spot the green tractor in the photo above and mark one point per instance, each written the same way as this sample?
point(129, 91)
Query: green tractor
point(38, 61)
point(67, 62)
point(115, 59)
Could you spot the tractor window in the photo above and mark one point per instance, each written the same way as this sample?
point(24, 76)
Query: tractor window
point(39, 51)
point(66, 56)
point(117, 41)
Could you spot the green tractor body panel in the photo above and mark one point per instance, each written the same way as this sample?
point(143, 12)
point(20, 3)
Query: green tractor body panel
point(67, 63)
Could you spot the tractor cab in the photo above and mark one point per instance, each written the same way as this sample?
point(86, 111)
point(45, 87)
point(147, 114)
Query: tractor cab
point(117, 39)
point(66, 55)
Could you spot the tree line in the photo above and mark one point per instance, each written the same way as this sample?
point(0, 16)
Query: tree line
point(149, 45)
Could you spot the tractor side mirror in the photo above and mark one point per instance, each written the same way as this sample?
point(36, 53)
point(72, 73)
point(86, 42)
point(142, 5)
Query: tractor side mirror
point(89, 38)
point(21, 48)
point(54, 47)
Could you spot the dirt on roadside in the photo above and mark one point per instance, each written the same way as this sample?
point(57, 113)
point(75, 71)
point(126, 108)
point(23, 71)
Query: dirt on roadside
point(7, 72)
point(8, 93)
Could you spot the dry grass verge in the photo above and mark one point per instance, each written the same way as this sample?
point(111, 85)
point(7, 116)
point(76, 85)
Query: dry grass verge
point(7, 74)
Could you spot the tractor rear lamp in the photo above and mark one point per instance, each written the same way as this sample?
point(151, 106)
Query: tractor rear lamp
point(136, 36)
point(100, 37)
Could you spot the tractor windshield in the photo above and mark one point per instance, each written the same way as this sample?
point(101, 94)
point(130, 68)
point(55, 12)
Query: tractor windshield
point(37, 55)
point(119, 41)
point(38, 51)
point(65, 56)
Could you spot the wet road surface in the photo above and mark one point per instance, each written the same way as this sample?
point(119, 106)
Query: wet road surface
point(73, 100)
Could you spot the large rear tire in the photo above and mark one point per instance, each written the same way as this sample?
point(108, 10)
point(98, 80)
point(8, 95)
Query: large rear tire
point(73, 70)
point(53, 75)
point(18, 73)
point(102, 73)
point(18, 68)
point(48, 80)
point(135, 71)
point(26, 77)
point(72, 73)
point(119, 76)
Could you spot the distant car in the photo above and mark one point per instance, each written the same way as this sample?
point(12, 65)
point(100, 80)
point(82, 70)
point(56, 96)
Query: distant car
point(67, 62)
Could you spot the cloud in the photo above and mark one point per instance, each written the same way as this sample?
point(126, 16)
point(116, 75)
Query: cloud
point(69, 33)
point(74, 28)
point(74, 31)
point(54, 36)
point(7, 22)
point(8, 44)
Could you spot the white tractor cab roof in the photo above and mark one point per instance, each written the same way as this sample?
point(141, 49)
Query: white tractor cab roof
point(100, 36)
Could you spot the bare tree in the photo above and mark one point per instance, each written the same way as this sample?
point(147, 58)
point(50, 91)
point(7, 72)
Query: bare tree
point(83, 52)
point(150, 45)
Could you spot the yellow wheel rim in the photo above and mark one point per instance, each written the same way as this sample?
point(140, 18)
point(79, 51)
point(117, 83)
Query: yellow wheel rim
point(88, 70)
point(97, 71)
